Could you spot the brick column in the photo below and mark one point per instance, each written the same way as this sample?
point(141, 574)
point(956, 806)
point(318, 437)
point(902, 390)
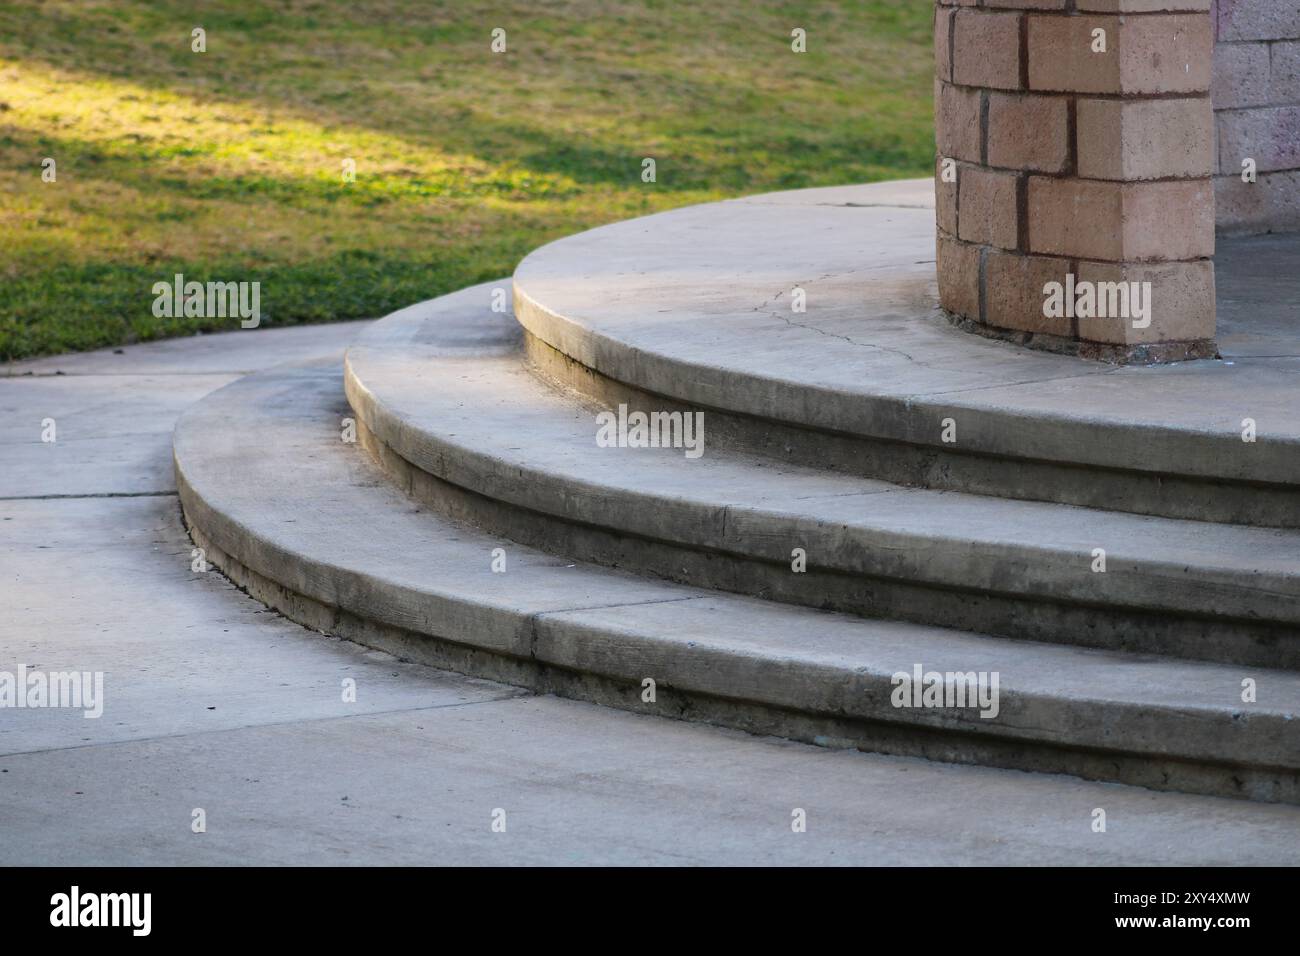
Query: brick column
point(1062, 162)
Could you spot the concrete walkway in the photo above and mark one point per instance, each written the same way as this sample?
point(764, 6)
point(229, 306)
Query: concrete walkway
point(213, 702)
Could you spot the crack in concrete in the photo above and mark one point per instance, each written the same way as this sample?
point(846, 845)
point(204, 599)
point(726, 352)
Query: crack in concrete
point(1032, 381)
point(866, 345)
point(514, 694)
point(765, 306)
point(538, 615)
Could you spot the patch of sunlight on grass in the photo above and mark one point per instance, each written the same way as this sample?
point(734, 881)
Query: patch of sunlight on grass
point(228, 164)
point(239, 148)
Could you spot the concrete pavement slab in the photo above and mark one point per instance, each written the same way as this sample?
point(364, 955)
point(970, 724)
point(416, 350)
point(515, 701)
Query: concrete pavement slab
point(288, 773)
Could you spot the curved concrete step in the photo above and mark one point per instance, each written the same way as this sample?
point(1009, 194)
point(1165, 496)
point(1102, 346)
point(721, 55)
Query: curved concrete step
point(306, 522)
point(442, 388)
point(696, 305)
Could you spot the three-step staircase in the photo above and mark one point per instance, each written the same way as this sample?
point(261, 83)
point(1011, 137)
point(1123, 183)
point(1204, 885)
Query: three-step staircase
point(878, 493)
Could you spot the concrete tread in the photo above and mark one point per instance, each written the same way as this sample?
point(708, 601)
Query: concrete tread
point(443, 385)
point(694, 304)
point(314, 515)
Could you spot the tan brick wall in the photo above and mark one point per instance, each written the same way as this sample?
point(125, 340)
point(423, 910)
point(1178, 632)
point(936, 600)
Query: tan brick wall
point(1256, 94)
point(1078, 157)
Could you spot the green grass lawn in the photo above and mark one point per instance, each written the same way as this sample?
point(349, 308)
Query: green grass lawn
point(227, 164)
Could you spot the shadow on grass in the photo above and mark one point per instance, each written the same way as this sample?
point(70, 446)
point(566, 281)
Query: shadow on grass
point(103, 304)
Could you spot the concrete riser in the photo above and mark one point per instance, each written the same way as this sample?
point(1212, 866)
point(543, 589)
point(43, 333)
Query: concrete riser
point(1231, 642)
point(928, 466)
point(697, 304)
point(451, 650)
point(308, 524)
point(468, 443)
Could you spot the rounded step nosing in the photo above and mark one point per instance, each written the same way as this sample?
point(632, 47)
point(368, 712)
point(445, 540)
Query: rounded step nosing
point(947, 467)
point(696, 304)
point(1241, 604)
point(220, 504)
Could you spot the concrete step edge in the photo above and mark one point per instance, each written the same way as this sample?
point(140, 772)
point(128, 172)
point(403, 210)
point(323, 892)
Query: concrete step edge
point(702, 254)
point(462, 412)
point(239, 497)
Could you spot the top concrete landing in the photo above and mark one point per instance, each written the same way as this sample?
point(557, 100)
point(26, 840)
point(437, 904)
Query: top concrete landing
point(696, 304)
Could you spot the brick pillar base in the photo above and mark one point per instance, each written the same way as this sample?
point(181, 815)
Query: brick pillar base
point(1075, 148)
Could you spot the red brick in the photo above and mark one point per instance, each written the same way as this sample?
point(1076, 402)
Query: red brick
point(945, 199)
point(1025, 4)
point(1138, 6)
point(957, 121)
point(987, 210)
point(942, 36)
point(1013, 292)
point(986, 49)
point(1169, 220)
point(1181, 302)
point(1073, 217)
point(959, 277)
point(1158, 53)
point(1145, 139)
point(1028, 131)
point(1121, 221)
